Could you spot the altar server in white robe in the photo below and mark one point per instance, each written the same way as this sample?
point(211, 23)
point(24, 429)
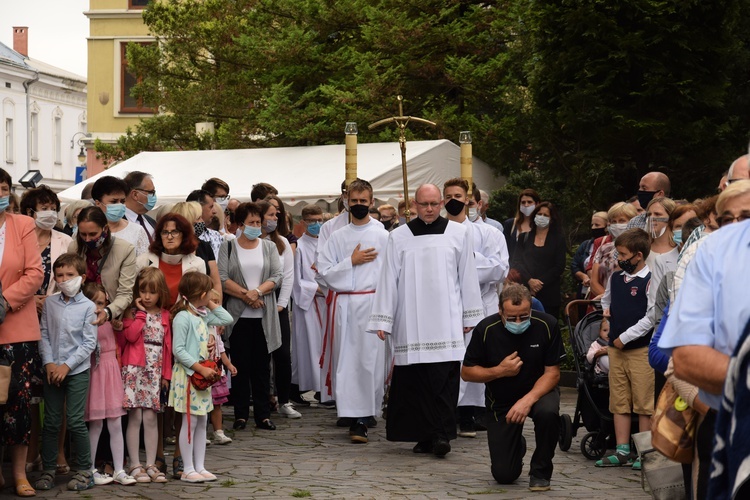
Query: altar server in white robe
point(427, 298)
point(309, 309)
point(491, 259)
point(353, 359)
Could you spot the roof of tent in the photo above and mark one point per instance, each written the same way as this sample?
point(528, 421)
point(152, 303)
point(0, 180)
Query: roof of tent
point(305, 174)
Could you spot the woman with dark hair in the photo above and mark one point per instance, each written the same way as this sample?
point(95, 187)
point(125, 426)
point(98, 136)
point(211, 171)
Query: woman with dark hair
point(21, 276)
point(540, 257)
point(282, 357)
point(173, 251)
point(42, 205)
point(251, 271)
point(109, 261)
point(283, 227)
point(514, 227)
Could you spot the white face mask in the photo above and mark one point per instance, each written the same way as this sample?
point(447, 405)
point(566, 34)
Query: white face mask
point(527, 211)
point(46, 219)
point(541, 221)
point(617, 229)
point(223, 202)
point(473, 214)
point(71, 287)
point(171, 259)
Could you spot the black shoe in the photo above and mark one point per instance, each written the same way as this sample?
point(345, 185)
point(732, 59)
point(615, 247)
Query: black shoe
point(266, 424)
point(298, 400)
point(440, 447)
point(358, 432)
point(239, 424)
point(328, 405)
point(538, 484)
point(371, 422)
point(345, 422)
point(467, 429)
point(423, 447)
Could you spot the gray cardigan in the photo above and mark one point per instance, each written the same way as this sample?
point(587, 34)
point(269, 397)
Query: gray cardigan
point(229, 268)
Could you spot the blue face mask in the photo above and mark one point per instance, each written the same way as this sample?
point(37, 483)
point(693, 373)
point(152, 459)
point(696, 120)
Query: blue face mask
point(677, 237)
point(4, 202)
point(251, 233)
point(115, 212)
point(517, 328)
point(151, 203)
point(314, 228)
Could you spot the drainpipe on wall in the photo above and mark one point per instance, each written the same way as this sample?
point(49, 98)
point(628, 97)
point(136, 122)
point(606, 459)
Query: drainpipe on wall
point(26, 85)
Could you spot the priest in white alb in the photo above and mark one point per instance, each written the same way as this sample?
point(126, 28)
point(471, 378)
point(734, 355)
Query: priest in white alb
point(426, 299)
point(353, 360)
point(491, 259)
point(309, 308)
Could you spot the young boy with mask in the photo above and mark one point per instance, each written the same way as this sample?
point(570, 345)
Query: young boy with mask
point(68, 339)
point(631, 379)
point(354, 360)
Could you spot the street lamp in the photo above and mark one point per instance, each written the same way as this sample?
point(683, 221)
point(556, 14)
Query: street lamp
point(31, 179)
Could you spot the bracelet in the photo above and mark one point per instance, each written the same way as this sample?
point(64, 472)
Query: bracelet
point(109, 313)
point(260, 294)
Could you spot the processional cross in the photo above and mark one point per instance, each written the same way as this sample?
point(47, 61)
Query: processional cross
point(402, 122)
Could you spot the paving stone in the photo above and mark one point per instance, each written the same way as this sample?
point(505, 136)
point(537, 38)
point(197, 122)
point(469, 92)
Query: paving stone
point(313, 457)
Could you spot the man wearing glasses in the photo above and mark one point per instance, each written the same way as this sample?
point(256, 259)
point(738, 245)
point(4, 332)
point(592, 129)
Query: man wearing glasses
point(517, 354)
point(141, 198)
point(427, 299)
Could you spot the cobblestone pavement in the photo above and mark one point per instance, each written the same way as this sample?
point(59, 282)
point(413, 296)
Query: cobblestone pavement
point(311, 457)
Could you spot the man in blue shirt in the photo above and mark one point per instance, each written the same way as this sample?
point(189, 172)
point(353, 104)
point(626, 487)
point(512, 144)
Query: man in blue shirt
point(708, 317)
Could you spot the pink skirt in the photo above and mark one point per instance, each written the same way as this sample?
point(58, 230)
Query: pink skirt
point(220, 391)
point(105, 389)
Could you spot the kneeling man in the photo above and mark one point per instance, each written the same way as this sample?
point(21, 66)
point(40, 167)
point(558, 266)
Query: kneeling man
point(516, 354)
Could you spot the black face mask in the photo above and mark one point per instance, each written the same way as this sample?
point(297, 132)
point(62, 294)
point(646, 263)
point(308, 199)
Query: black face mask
point(645, 197)
point(598, 232)
point(387, 223)
point(627, 266)
point(359, 211)
point(455, 207)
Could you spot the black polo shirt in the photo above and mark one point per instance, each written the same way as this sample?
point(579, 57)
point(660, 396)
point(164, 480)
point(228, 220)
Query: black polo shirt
point(538, 347)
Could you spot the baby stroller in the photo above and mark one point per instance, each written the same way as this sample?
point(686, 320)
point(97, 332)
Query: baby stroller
point(592, 405)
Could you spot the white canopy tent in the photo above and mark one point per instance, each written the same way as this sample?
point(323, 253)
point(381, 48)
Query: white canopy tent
point(303, 175)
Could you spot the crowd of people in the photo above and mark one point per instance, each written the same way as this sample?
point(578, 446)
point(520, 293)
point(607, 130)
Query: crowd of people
point(439, 317)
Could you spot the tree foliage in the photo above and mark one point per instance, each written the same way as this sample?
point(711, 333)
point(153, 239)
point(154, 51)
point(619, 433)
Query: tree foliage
point(577, 97)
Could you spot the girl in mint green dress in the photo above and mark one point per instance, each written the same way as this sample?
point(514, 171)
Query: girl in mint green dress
point(194, 311)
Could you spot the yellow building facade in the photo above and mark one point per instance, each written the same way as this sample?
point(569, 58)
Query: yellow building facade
point(110, 108)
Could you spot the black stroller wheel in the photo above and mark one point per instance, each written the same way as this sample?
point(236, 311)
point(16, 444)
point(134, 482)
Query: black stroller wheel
point(592, 446)
point(566, 432)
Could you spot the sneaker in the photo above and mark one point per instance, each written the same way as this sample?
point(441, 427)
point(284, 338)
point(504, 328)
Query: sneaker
point(328, 405)
point(287, 410)
point(637, 464)
point(371, 422)
point(538, 484)
point(82, 480)
point(358, 432)
point(467, 429)
point(345, 422)
point(101, 478)
point(298, 400)
point(124, 479)
point(221, 438)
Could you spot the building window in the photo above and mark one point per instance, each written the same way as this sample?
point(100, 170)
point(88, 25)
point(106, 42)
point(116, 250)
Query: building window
point(9, 153)
point(128, 103)
point(34, 135)
point(137, 4)
point(57, 136)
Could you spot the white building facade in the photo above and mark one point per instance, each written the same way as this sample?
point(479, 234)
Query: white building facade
point(43, 116)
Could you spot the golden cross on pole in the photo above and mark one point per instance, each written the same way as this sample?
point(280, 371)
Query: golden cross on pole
point(402, 122)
